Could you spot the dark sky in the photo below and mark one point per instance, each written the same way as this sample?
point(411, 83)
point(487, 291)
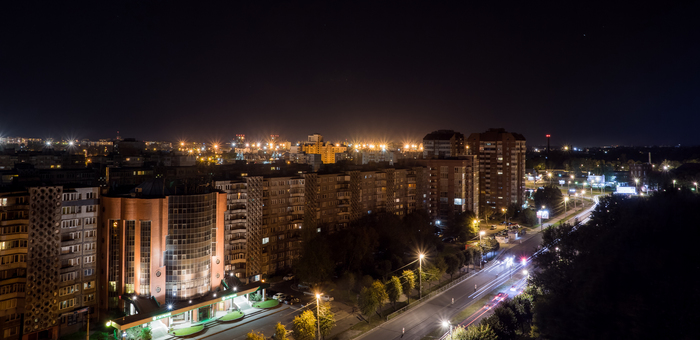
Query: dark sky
point(588, 73)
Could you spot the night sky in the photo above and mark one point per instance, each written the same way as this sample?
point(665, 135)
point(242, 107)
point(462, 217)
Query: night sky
point(588, 73)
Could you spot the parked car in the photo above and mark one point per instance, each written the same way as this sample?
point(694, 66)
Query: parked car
point(493, 227)
point(290, 300)
point(288, 277)
point(327, 298)
point(279, 296)
point(448, 239)
point(303, 286)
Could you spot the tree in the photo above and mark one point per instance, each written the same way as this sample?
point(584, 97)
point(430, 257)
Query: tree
point(253, 335)
point(550, 197)
point(487, 213)
point(379, 292)
point(431, 273)
point(315, 264)
point(366, 302)
point(462, 226)
point(366, 281)
point(280, 332)
point(408, 283)
point(528, 217)
point(146, 333)
point(452, 264)
point(327, 319)
point(304, 326)
point(394, 290)
point(372, 298)
point(347, 281)
point(476, 332)
point(599, 260)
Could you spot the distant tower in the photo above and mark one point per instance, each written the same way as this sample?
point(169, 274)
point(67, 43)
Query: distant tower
point(548, 144)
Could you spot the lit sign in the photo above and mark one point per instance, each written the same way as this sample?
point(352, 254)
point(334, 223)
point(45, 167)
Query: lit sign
point(626, 190)
point(162, 316)
point(544, 214)
point(224, 298)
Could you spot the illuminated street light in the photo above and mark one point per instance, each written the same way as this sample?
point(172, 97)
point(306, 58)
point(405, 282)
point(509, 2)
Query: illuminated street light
point(318, 315)
point(481, 246)
point(446, 323)
point(420, 275)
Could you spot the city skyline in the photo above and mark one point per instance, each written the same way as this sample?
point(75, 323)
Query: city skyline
point(587, 74)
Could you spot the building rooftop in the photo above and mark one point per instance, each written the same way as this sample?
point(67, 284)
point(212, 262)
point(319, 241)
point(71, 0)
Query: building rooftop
point(442, 135)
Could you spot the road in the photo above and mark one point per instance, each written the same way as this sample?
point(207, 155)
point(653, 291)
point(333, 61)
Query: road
point(424, 319)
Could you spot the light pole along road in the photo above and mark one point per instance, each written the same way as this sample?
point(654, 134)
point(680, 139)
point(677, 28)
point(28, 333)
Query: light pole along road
point(425, 318)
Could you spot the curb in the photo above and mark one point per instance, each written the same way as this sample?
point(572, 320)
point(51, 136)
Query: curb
point(241, 324)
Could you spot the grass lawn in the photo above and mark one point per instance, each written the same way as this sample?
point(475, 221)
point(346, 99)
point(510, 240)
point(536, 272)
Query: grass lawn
point(188, 331)
point(266, 304)
point(232, 316)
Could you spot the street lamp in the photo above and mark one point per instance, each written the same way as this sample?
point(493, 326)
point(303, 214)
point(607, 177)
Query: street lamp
point(566, 199)
point(448, 324)
point(696, 186)
point(674, 183)
point(318, 315)
point(550, 178)
point(481, 246)
point(504, 210)
point(420, 275)
point(636, 184)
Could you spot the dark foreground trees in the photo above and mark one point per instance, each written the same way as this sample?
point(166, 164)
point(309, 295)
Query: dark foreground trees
point(629, 273)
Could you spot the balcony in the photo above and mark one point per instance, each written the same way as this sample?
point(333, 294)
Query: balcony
point(240, 239)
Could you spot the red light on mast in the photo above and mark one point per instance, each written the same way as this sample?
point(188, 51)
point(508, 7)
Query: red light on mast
point(548, 136)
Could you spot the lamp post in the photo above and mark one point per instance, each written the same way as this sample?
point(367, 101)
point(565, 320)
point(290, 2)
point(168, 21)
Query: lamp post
point(448, 324)
point(504, 210)
point(575, 198)
point(481, 246)
point(318, 315)
point(420, 275)
point(674, 183)
point(566, 199)
point(696, 186)
point(550, 178)
point(636, 185)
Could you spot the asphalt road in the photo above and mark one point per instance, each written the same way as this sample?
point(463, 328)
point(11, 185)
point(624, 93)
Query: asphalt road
point(424, 319)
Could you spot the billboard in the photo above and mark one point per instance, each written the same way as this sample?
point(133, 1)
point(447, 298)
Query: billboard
point(543, 214)
point(626, 190)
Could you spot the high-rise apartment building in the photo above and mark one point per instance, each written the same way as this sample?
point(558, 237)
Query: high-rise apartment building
point(443, 144)
point(453, 187)
point(501, 157)
point(48, 261)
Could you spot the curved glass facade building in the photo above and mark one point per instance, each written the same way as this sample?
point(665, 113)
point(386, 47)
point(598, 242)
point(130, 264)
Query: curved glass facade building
point(188, 250)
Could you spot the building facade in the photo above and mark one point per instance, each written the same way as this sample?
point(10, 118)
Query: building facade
point(501, 156)
point(48, 251)
point(265, 216)
point(443, 144)
point(453, 187)
point(169, 247)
